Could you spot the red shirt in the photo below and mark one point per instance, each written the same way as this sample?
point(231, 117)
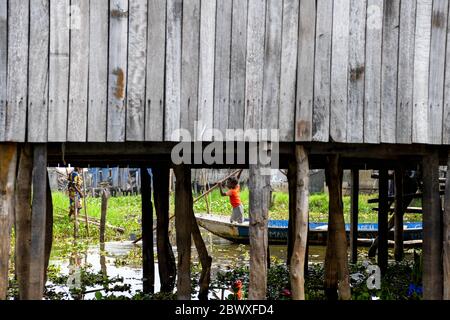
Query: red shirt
point(235, 198)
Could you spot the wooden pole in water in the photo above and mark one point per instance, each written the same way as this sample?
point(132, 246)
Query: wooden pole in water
point(38, 222)
point(432, 229)
point(8, 163)
point(292, 186)
point(336, 259)
point(23, 220)
point(354, 209)
point(383, 211)
point(446, 249)
point(104, 210)
point(297, 268)
point(148, 263)
point(398, 220)
point(183, 226)
point(259, 185)
point(166, 259)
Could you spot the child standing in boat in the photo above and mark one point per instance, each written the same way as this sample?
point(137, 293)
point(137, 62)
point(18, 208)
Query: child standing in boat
point(237, 214)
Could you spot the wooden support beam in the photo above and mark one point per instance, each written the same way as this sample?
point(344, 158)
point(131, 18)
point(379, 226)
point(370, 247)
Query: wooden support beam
point(8, 163)
point(38, 222)
point(292, 186)
point(354, 208)
point(336, 260)
point(183, 226)
point(148, 260)
point(300, 235)
point(446, 235)
point(48, 228)
point(398, 220)
point(259, 186)
point(104, 211)
point(166, 259)
point(432, 229)
point(23, 220)
point(383, 230)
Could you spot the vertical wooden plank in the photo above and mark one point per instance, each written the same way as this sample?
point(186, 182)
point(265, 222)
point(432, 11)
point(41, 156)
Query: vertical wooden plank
point(398, 220)
point(79, 71)
point(301, 224)
point(292, 189)
point(238, 64)
point(354, 208)
point(38, 226)
point(446, 103)
point(446, 234)
point(422, 44)
point(183, 229)
point(38, 70)
point(372, 85)
point(98, 70)
point(289, 47)
point(189, 64)
point(17, 84)
point(254, 64)
point(322, 73)
point(206, 69)
point(48, 228)
point(357, 70)
point(405, 71)
point(137, 56)
point(339, 72)
point(383, 212)
point(305, 70)
point(437, 70)
point(148, 260)
point(8, 163)
point(173, 69)
point(272, 64)
point(58, 70)
point(389, 70)
point(432, 229)
point(3, 64)
point(222, 65)
point(156, 51)
point(117, 74)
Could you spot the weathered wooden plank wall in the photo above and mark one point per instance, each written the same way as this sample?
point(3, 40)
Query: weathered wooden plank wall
point(350, 71)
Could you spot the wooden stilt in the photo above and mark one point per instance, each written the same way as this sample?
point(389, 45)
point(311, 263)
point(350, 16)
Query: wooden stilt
point(38, 222)
point(292, 186)
point(383, 211)
point(8, 163)
point(48, 228)
point(104, 210)
point(398, 220)
point(301, 225)
point(148, 261)
point(166, 259)
point(23, 220)
point(259, 186)
point(183, 227)
point(354, 209)
point(432, 230)
point(446, 233)
point(336, 259)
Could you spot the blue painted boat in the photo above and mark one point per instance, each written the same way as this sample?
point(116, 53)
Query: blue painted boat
point(278, 231)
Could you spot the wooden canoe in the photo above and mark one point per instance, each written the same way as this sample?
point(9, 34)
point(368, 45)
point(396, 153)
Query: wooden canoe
point(278, 231)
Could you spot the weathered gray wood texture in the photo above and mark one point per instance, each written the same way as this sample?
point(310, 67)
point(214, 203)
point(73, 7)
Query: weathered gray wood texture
point(350, 71)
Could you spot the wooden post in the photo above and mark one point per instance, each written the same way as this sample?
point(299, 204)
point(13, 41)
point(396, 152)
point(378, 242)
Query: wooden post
point(398, 220)
point(8, 163)
point(446, 242)
point(183, 230)
point(104, 210)
point(292, 186)
point(166, 259)
point(23, 220)
point(48, 228)
point(383, 211)
point(301, 224)
point(148, 261)
point(259, 186)
point(86, 221)
point(354, 209)
point(336, 259)
point(38, 222)
point(432, 229)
